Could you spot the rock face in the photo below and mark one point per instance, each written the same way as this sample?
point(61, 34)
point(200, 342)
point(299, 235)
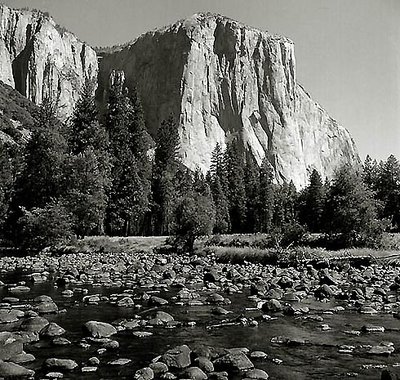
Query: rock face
point(226, 80)
point(40, 59)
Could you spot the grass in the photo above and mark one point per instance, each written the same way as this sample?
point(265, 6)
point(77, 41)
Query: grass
point(104, 244)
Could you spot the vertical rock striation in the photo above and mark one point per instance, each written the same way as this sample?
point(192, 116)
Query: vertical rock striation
point(225, 80)
point(40, 59)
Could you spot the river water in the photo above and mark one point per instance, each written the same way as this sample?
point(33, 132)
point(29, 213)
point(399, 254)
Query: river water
point(319, 359)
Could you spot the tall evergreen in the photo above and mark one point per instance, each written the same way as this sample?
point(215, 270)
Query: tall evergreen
point(266, 200)
point(351, 209)
point(89, 166)
point(252, 188)
point(128, 198)
point(388, 189)
point(312, 203)
point(43, 174)
point(219, 189)
point(234, 166)
point(370, 173)
point(165, 167)
point(7, 182)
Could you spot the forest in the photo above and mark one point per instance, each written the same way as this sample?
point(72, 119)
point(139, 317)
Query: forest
point(104, 175)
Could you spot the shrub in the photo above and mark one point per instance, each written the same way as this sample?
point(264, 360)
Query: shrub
point(43, 227)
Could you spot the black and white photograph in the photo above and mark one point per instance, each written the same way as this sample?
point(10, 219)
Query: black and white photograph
point(199, 189)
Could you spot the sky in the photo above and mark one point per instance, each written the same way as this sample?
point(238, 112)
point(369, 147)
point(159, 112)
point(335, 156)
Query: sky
point(347, 51)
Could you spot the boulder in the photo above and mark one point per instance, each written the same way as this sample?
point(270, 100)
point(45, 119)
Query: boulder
point(62, 364)
point(233, 362)
point(99, 329)
point(14, 371)
point(194, 373)
point(178, 357)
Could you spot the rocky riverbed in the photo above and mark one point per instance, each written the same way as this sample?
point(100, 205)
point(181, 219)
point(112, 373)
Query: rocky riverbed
point(146, 316)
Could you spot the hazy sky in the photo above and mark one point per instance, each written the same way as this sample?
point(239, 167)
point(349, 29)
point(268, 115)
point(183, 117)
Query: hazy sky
point(347, 51)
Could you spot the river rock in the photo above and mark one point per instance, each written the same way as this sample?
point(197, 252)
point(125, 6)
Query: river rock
point(119, 362)
point(158, 367)
point(52, 330)
point(99, 329)
point(194, 373)
point(272, 305)
point(34, 324)
point(10, 315)
point(163, 316)
point(47, 308)
point(59, 341)
point(10, 346)
point(54, 375)
point(233, 362)
point(256, 374)
point(157, 301)
point(19, 289)
point(178, 357)
point(23, 358)
point(12, 371)
point(62, 364)
point(144, 374)
point(204, 364)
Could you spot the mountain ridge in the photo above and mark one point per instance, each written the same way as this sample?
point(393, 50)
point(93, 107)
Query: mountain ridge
point(225, 80)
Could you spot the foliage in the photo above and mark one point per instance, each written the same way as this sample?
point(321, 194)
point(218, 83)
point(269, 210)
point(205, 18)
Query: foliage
point(43, 172)
point(7, 181)
point(165, 177)
point(266, 198)
point(42, 227)
point(312, 202)
point(130, 187)
point(88, 166)
point(236, 192)
point(351, 211)
point(195, 217)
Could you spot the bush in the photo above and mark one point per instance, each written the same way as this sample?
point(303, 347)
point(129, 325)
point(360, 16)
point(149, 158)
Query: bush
point(43, 227)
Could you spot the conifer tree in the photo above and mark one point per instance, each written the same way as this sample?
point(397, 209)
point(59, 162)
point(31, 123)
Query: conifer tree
point(370, 173)
point(234, 166)
point(388, 189)
point(351, 209)
point(128, 199)
point(7, 179)
point(267, 197)
point(252, 187)
point(43, 173)
point(165, 167)
point(312, 203)
point(89, 166)
point(219, 189)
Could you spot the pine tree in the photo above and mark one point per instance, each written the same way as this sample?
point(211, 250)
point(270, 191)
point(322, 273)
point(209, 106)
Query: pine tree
point(312, 202)
point(89, 166)
point(370, 173)
point(7, 180)
point(234, 166)
point(43, 173)
point(164, 182)
point(388, 189)
point(266, 198)
point(351, 209)
point(129, 193)
point(219, 189)
point(252, 187)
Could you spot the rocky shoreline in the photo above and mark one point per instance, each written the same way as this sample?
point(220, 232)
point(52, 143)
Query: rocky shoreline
point(150, 285)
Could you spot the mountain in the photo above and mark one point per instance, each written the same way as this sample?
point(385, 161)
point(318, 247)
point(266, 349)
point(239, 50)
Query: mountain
point(39, 58)
point(225, 80)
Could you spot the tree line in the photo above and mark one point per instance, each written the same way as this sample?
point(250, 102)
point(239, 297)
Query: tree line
point(94, 176)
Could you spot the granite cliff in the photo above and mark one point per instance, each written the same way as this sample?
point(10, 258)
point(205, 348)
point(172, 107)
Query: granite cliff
point(225, 80)
point(39, 58)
